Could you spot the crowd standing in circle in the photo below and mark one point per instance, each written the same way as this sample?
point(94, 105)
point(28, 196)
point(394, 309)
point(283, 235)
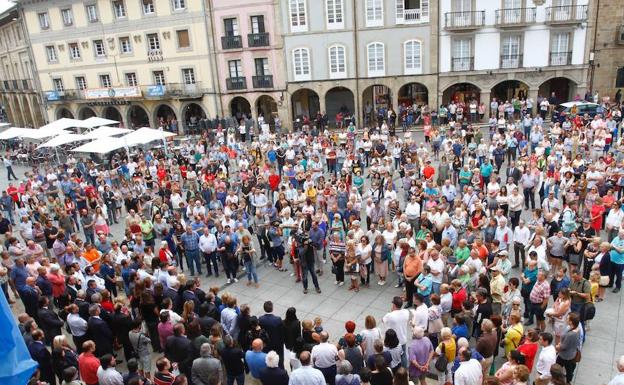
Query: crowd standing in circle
point(481, 227)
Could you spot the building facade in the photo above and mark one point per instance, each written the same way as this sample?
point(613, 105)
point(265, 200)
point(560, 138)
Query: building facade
point(20, 102)
point(512, 48)
point(140, 62)
point(607, 46)
point(357, 56)
point(250, 64)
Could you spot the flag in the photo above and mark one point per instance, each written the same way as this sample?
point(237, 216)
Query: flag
point(16, 365)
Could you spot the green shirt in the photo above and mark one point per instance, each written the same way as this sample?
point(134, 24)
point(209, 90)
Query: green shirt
point(462, 254)
point(146, 229)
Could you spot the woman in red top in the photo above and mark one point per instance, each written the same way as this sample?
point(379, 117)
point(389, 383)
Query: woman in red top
point(529, 348)
point(597, 212)
point(459, 296)
point(165, 255)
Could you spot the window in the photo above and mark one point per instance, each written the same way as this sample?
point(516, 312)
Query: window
point(334, 14)
point(461, 55)
point(58, 84)
point(179, 5)
point(236, 68)
point(188, 74)
point(559, 45)
point(44, 20)
point(98, 46)
point(461, 5)
point(257, 24)
point(230, 27)
point(159, 78)
point(619, 78)
point(183, 38)
point(298, 18)
point(374, 13)
point(92, 13)
point(262, 66)
point(301, 64)
point(510, 51)
point(119, 8)
point(125, 45)
point(337, 62)
point(74, 51)
point(105, 81)
point(153, 43)
point(412, 11)
point(51, 53)
point(148, 7)
point(68, 16)
point(81, 83)
point(375, 54)
point(131, 79)
point(413, 57)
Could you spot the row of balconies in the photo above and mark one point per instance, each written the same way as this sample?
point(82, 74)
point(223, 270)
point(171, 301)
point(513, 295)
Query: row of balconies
point(254, 40)
point(240, 83)
point(515, 17)
point(167, 91)
point(511, 61)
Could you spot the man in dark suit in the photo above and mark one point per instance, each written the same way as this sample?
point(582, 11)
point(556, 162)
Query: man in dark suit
point(178, 348)
point(513, 172)
point(101, 333)
point(206, 322)
point(49, 321)
point(121, 324)
point(274, 327)
point(83, 305)
point(40, 353)
point(176, 298)
point(189, 295)
point(30, 294)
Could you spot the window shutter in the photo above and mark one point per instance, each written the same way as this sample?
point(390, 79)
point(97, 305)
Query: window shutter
point(400, 11)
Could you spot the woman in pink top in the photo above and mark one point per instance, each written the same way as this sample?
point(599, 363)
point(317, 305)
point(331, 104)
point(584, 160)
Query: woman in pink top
point(165, 327)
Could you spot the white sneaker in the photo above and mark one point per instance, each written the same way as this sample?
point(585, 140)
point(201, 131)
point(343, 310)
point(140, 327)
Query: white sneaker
point(383, 283)
point(229, 281)
point(324, 260)
point(235, 279)
point(340, 283)
point(244, 268)
point(335, 282)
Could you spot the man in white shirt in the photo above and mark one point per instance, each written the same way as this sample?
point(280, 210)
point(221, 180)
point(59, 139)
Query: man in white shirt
point(325, 357)
point(306, 374)
point(521, 236)
point(619, 378)
point(470, 371)
point(547, 357)
point(398, 320)
point(208, 247)
point(503, 234)
point(420, 315)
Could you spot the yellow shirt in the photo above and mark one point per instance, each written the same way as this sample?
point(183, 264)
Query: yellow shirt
point(513, 337)
point(594, 291)
point(497, 288)
point(450, 349)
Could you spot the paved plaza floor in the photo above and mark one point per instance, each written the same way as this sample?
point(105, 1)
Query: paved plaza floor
point(336, 305)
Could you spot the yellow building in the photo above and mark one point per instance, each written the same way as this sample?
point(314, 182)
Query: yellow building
point(142, 62)
point(19, 100)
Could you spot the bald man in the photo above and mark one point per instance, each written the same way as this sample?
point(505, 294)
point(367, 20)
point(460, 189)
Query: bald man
point(30, 294)
point(256, 360)
point(306, 374)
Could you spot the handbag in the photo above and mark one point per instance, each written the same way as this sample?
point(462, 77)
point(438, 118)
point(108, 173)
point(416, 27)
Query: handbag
point(604, 280)
point(577, 357)
point(442, 362)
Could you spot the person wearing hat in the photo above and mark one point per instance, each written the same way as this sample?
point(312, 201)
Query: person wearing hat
point(497, 289)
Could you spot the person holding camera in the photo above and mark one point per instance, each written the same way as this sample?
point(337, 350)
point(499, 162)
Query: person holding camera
point(305, 256)
point(248, 256)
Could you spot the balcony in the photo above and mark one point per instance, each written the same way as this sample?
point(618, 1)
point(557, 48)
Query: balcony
point(183, 90)
point(463, 63)
point(570, 14)
point(511, 61)
point(515, 17)
point(54, 96)
point(413, 16)
point(560, 58)
point(258, 39)
point(234, 84)
point(231, 42)
point(262, 81)
point(457, 21)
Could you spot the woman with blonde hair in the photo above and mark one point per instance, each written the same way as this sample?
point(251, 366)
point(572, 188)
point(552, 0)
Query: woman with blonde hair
point(513, 334)
point(558, 314)
point(188, 312)
point(63, 349)
point(448, 348)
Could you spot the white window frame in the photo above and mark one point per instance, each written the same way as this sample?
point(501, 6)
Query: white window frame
point(373, 64)
point(44, 20)
point(188, 76)
point(131, 76)
point(144, 9)
point(73, 51)
point(153, 42)
point(376, 8)
point(81, 83)
point(159, 74)
point(338, 73)
point(178, 5)
point(422, 13)
point(92, 13)
point(416, 61)
point(302, 72)
point(58, 85)
point(51, 54)
point(235, 69)
point(102, 77)
point(298, 26)
point(129, 45)
point(95, 48)
point(68, 17)
point(122, 8)
point(334, 10)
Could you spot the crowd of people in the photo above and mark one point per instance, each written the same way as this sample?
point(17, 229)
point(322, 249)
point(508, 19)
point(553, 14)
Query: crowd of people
point(502, 241)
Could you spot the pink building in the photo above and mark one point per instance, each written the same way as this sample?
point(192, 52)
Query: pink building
point(249, 59)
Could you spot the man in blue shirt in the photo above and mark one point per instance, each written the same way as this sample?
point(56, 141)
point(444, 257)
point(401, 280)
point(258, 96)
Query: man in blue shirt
point(19, 274)
point(256, 359)
point(486, 170)
point(617, 260)
point(190, 241)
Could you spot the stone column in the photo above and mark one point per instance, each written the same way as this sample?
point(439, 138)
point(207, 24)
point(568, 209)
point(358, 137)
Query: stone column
point(533, 93)
point(484, 97)
point(322, 104)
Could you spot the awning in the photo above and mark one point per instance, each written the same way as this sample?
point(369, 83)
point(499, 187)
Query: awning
point(64, 123)
point(13, 132)
point(94, 121)
point(101, 146)
point(104, 132)
point(42, 134)
point(145, 135)
point(63, 139)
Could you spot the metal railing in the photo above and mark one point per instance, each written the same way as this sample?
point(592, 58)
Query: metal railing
point(515, 16)
point(511, 61)
point(232, 42)
point(184, 90)
point(566, 14)
point(560, 58)
point(464, 20)
point(239, 83)
point(262, 81)
point(258, 39)
point(463, 63)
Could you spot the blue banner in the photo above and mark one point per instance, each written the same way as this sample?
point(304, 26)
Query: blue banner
point(16, 366)
point(156, 91)
point(52, 96)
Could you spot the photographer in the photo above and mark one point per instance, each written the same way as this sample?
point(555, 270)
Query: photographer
point(304, 255)
point(248, 256)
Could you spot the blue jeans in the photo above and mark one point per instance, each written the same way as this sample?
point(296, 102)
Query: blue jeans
point(305, 269)
point(240, 379)
point(250, 268)
point(192, 257)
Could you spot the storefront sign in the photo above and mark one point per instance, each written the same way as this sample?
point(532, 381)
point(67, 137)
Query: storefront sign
point(113, 92)
point(156, 91)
